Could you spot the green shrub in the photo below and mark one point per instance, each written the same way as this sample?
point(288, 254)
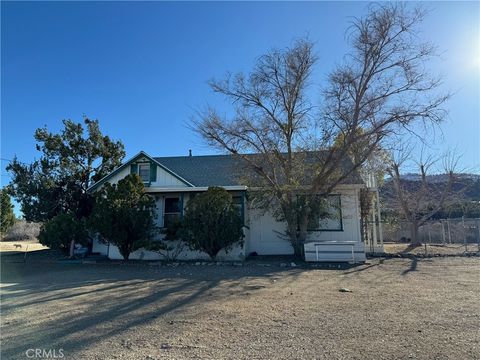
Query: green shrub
point(211, 222)
point(124, 214)
point(60, 231)
point(6, 212)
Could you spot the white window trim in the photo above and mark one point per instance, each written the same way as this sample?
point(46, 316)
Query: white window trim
point(170, 213)
point(138, 171)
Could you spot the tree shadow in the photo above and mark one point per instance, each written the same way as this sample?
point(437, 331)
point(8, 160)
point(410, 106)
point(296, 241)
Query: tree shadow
point(412, 268)
point(114, 298)
point(410, 247)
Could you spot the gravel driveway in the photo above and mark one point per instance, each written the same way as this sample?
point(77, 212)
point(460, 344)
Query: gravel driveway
point(397, 309)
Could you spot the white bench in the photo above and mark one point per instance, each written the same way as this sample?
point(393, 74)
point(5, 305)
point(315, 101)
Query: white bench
point(318, 249)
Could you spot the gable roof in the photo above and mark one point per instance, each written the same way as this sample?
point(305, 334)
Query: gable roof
point(226, 170)
point(211, 170)
point(206, 170)
point(141, 154)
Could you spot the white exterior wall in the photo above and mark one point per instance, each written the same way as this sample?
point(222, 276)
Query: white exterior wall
point(266, 234)
point(164, 178)
point(263, 234)
point(235, 254)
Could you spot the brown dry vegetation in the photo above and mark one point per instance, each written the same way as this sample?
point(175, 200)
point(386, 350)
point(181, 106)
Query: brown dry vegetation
point(398, 309)
point(431, 249)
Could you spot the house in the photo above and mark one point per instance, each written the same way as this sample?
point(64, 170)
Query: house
point(174, 180)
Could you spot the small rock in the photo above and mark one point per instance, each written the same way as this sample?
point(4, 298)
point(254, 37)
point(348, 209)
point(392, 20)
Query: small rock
point(283, 265)
point(292, 264)
point(198, 263)
point(165, 346)
point(345, 290)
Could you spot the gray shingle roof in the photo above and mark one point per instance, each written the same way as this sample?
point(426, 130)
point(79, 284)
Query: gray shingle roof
point(220, 170)
point(209, 170)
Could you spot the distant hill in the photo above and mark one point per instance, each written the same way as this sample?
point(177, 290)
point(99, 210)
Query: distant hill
point(441, 178)
point(467, 187)
point(468, 183)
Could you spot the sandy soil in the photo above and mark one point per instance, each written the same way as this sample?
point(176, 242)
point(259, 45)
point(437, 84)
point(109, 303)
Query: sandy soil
point(451, 249)
point(21, 246)
point(398, 309)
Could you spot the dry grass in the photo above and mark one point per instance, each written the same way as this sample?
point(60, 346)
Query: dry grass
point(21, 246)
point(447, 249)
point(398, 309)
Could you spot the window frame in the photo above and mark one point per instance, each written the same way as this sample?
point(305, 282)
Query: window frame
point(240, 204)
point(340, 215)
point(180, 205)
point(138, 171)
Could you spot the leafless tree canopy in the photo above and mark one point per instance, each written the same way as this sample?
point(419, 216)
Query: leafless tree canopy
point(382, 88)
point(420, 199)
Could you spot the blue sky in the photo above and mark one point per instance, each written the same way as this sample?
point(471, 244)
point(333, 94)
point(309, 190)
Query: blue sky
point(142, 68)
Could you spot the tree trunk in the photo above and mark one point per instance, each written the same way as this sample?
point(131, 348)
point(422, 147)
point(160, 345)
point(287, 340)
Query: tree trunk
point(295, 240)
point(297, 248)
point(298, 236)
point(414, 238)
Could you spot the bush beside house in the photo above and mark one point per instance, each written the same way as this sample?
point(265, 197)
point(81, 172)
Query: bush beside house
point(211, 222)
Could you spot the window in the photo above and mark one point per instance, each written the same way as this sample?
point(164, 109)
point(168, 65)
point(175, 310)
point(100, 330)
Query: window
point(328, 217)
point(144, 172)
point(237, 202)
point(172, 211)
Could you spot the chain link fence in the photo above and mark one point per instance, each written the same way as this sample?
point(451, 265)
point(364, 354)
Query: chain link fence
point(462, 233)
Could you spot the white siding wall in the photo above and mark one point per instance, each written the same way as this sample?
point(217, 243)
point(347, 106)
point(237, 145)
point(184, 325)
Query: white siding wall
point(112, 251)
point(266, 234)
point(237, 253)
point(119, 176)
point(164, 178)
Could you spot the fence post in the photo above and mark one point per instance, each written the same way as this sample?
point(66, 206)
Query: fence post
point(443, 232)
point(379, 214)
point(449, 233)
point(464, 234)
point(429, 233)
point(478, 228)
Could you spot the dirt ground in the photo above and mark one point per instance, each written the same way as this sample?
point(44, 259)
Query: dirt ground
point(398, 309)
point(21, 246)
point(447, 249)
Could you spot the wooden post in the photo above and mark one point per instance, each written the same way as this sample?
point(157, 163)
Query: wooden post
point(429, 233)
point(449, 232)
point(443, 231)
point(25, 255)
point(464, 234)
point(379, 214)
point(374, 226)
point(478, 228)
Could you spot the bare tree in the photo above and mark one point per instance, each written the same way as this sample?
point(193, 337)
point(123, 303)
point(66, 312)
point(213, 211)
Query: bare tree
point(419, 196)
point(382, 88)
